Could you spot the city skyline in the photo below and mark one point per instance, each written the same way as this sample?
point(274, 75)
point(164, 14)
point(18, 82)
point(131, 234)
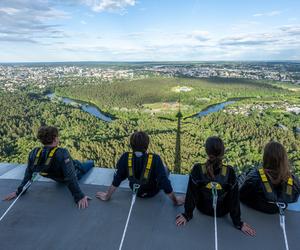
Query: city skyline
point(144, 30)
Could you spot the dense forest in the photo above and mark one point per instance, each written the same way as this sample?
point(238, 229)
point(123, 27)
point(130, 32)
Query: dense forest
point(87, 137)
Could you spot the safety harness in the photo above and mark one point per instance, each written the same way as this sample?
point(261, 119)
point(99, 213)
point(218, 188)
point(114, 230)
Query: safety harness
point(45, 166)
point(144, 178)
point(273, 198)
point(269, 190)
point(218, 183)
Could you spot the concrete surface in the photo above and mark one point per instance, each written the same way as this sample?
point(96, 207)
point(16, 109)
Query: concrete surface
point(46, 218)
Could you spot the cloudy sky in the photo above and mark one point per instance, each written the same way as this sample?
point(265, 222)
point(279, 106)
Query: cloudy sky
point(149, 30)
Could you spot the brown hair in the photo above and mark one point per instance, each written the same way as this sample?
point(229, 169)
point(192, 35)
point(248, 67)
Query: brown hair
point(139, 141)
point(275, 162)
point(215, 149)
point(47, 134)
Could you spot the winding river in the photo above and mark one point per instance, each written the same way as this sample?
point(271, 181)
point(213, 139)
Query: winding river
point(214, 108)
point(87, 107)
point(94, 111)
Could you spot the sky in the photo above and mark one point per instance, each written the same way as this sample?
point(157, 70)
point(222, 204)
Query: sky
point(149, 30)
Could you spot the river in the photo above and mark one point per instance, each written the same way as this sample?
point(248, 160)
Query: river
point(87, 107)
point(93, 110)
point(214, 108)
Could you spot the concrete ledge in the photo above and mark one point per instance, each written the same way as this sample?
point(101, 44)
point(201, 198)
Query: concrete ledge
point(97, 176)
point(103, 177)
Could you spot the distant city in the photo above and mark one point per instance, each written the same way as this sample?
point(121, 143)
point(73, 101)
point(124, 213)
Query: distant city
point(15, 76)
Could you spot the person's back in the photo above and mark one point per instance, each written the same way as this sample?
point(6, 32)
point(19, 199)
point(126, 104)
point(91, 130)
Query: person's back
point(56, 163)
point(210, 181)
point(273, 182)
point(144, 169)
point(202, 192)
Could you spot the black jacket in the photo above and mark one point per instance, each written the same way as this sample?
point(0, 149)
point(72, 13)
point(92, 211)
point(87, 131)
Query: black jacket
point(61, 170)
point(158, 178)
point(252, 194)
point(195, 196)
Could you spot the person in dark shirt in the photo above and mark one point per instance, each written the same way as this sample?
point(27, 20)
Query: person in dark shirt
point(199, 190)
point(264, 187)
point(142, 168)
point(56, 163)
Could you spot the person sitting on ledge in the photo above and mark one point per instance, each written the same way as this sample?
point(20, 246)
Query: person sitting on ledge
point(56, 163)
point(273, 182)
point(203, 178)
point(143, 169)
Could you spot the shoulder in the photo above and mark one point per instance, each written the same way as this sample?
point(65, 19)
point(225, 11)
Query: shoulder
point(62, 153)
point(156, 156)
point(296, 180)
point(197, 170)
point(33, 152)
point(124, 157)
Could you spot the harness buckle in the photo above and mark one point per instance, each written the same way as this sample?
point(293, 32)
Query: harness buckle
point(136, 188)
point(281, 206)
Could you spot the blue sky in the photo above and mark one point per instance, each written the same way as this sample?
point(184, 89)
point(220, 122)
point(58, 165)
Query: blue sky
point(149, 30)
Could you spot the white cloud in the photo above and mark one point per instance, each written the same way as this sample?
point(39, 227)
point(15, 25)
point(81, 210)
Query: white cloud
point(9, 11)
point(109, 5)
point(268, 14)
point(29, 21)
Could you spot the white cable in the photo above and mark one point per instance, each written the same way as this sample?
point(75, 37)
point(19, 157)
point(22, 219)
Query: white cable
point(215, 201)
point(282, 224)
point(216, 228)
point(128, 218)
point(281, 207)
point(27, 185)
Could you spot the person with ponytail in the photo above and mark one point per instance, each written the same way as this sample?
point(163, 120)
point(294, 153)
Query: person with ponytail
point(199, 190)
point(273, 182)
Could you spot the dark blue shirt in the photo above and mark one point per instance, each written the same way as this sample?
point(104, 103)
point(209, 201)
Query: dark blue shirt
point(158, 178)
point(61, 169)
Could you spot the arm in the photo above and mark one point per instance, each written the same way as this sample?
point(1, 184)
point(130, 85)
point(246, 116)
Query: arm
point(164, 182)
point(27, 177)
point(189, 205)
point(235, 211)
point(120, 175)
point(70, 178)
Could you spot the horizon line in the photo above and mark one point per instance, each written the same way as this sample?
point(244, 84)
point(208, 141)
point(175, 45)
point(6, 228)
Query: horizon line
point(149, 61)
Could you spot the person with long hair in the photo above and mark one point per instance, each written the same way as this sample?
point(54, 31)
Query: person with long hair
point(199, 190)
point(273, 182)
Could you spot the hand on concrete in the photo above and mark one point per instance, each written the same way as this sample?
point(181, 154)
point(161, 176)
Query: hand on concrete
point(248, 230)
point(102, 196)
point(10, 196)
point(83, 203)
point(180, 220)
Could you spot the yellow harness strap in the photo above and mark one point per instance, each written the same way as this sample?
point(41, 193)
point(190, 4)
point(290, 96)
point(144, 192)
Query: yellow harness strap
point(289, 187)
point(130, 164)
point(224, 170)
point(148, 166)
point(37, 157)
point(50, 156)
point(265, 180)
point(209, 186)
